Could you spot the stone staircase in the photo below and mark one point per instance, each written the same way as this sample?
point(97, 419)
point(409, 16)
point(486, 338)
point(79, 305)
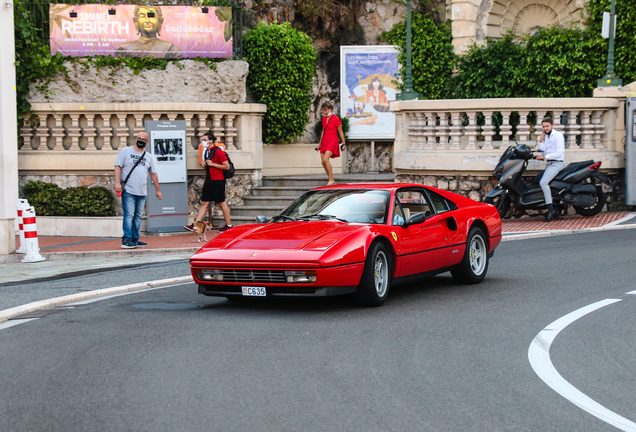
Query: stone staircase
point(278, 192)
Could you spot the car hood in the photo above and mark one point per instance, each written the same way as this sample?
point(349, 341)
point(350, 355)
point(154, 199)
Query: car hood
point(295, 243)
point(286, 235)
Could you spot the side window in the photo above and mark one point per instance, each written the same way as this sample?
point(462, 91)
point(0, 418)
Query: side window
point(398, 214)
point(441, 204)
point(413, 202)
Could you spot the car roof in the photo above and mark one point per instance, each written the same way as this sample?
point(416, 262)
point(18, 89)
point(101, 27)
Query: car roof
point(385, 186)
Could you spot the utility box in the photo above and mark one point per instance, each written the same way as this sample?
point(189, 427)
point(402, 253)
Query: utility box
point(630, 149)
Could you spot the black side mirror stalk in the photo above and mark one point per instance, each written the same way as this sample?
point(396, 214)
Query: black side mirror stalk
point(414, 220)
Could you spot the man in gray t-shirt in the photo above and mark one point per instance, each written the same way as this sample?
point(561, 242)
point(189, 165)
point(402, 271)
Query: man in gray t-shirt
point(134, 191)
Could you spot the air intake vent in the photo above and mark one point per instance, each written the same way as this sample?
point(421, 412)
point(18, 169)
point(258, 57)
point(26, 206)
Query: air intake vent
point(254, 276)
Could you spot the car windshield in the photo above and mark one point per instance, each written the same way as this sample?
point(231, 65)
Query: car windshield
point(346, 205)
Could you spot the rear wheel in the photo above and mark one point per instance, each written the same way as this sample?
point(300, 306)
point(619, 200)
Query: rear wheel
point(596, 208)
point(474, 266)
point(501, 203)
point(376, 277)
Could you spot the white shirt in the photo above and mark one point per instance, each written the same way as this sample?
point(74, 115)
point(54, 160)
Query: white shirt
point(553, 146)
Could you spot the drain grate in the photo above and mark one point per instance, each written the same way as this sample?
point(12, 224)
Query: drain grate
point(40, 313)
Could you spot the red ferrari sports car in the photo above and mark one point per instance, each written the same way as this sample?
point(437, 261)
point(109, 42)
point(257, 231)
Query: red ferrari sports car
point(356, 239)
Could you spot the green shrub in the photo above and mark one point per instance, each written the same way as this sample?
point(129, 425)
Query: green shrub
point(554, 62)
point(51, 200)
point(282, 67)
point(625, 42)
point(433, 57)
point(488, 71)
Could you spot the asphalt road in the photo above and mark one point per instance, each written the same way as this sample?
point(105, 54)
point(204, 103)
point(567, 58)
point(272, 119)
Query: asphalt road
point(436, 357)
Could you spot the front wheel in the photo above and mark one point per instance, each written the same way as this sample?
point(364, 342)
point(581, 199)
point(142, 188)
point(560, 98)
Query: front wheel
point(501, 203)
point(376, 277)
point(596, 208)
point(474, 266)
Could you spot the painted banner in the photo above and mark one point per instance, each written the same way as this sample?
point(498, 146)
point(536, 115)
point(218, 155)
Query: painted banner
point(170, 32)
point(369, 82)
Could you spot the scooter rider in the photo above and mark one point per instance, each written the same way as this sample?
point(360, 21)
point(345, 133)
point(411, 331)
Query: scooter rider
point(552, 145)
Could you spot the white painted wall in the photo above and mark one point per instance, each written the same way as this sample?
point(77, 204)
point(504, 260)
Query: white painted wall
point(8, 131)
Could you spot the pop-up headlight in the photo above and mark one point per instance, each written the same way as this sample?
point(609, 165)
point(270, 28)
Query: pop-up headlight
point(294, 276)
point(209, 274)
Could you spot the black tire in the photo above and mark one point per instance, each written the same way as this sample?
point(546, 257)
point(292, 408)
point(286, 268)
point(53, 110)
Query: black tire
point(376, 277)
point(474, 265)
point(501, 203)
point(595, 209)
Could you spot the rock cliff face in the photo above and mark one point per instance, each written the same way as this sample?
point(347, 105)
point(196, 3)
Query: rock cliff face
point(183, 81)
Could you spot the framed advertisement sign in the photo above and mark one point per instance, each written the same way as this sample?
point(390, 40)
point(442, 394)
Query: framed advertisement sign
point(168, 146)
point(369, 82)
point(170, 32)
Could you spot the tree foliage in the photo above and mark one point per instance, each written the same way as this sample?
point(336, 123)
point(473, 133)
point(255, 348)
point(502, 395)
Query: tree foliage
point(433, 58)
point(282, 67)
point(625, 42)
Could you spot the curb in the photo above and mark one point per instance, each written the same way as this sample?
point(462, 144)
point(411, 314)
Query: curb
point(14, 312)
point(539, 234)
point(61, 256)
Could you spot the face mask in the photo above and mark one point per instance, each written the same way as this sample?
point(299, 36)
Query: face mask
point(206, 144)
point(141, 144)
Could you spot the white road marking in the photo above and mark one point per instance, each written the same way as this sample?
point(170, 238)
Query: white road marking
point(631, 292)
point(618, 222)
point(539, 356)
point(15, 322)
point(83, 302)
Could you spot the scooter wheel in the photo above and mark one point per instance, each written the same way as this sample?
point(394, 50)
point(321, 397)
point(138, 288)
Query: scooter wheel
point(596, 208)
point(501, 203)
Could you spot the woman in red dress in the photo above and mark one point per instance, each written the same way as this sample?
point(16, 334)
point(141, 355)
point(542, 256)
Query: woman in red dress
point(329, 146)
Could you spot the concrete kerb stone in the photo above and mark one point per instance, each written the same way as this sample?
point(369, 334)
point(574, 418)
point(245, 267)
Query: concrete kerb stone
point(61, 256)
point(14, 312)
point(539, 234)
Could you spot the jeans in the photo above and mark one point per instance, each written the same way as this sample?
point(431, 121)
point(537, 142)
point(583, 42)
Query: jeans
point(551, 171)
point(133, 210)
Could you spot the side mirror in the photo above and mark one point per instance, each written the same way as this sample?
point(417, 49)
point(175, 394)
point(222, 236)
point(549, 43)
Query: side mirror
point(261, 219)
point(415, 220)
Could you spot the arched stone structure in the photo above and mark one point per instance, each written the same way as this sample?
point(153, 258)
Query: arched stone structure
point(474, 20)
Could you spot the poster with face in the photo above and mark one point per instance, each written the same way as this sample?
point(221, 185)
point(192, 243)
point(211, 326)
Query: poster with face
point(369, 82)
point(170, 32)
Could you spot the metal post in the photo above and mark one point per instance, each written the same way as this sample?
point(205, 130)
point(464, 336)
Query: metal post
point(409, 93)
point(373, 170)
point(610, 80)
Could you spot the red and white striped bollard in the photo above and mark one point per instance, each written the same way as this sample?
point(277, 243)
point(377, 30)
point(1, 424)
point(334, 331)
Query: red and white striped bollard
point(21, 206)
point(31, 237)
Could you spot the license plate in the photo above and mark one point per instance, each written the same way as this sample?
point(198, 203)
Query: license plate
point(254, 291)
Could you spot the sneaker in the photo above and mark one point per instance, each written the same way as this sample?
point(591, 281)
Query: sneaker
point(225, 228)
point(189, 227)
point(141, 244)
point(128, 244)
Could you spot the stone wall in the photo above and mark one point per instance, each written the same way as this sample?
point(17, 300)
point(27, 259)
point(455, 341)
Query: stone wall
point(359, 157)
point(238, 186)
point(477, 187)
point(182, 81)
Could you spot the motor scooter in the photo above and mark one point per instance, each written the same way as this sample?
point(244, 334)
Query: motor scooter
point(577, 184)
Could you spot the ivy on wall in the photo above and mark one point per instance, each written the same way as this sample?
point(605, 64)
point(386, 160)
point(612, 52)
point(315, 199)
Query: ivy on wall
point(433, 57)
point(625, 42)
point(282, 68)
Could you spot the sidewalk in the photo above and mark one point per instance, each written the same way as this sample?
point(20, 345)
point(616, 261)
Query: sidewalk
point(81, 254)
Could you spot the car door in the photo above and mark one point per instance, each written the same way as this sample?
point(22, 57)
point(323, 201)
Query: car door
point(444, 210)
point(423, 247)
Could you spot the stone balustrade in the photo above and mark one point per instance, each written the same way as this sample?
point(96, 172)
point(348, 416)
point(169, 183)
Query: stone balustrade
point(469, 135)
point(84, 137)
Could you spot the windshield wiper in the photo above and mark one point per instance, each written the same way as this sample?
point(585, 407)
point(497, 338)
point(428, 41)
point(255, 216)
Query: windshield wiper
point(286, 217)
point(323, 217)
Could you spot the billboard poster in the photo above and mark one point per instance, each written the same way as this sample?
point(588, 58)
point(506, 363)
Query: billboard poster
point(369, 82)
point(170, 32)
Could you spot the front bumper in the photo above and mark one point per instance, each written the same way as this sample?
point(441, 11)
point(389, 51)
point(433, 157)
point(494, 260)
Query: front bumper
point(277, 291)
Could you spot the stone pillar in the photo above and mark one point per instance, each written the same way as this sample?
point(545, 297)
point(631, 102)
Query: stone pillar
point(8, 132)
point(614, 133)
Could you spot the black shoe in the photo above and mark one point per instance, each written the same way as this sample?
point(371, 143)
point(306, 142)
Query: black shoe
point(552, 215)
point(141, 244)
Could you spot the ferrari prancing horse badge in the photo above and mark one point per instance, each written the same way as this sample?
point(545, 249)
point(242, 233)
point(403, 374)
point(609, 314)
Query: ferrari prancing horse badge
point(394, 236)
